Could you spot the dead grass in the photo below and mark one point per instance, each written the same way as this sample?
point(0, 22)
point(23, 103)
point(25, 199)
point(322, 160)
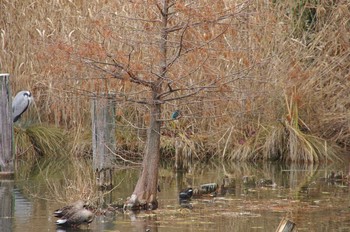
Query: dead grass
point(288, 140)
point(63, 180)
point(78, 182)
point(39, 140)
point(265, 54)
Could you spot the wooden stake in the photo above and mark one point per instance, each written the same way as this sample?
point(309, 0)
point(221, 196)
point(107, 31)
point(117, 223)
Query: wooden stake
point(6, 128)
point(103, 138)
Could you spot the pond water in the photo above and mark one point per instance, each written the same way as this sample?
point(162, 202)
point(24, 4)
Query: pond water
point(255, 197)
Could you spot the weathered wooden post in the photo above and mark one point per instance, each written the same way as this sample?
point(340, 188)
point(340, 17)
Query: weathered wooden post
point(103, 138)
point(6, 154)
point(6, 130)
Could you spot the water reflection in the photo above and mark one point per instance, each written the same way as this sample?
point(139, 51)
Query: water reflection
point(6, 203)
point(247, 197)
point(23, 207)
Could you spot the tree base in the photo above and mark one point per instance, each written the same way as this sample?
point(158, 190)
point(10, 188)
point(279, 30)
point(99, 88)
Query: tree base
point(134, 204)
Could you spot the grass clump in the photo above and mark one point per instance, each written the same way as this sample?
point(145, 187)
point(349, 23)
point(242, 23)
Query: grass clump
point(39, 140)
point(288, 140)
point(286, 143)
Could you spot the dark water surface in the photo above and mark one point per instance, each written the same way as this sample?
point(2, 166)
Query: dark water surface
point(247, 200)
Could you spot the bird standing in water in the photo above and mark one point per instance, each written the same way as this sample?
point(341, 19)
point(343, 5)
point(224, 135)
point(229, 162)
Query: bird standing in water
point(186, 194)
point(82, 216)
point(70, 209)
point(185, 198)
point(74, 215)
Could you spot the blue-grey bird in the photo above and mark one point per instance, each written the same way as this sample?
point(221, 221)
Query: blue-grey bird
point(176, 114)
point(186, 194)
point(20, 104)
point(82, 216)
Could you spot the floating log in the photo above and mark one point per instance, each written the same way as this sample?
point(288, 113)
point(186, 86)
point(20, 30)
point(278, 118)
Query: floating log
point(286, 226)
point(208, 188)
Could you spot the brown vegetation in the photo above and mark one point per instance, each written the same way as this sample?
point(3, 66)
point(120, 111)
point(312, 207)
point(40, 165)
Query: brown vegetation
point(245, 66)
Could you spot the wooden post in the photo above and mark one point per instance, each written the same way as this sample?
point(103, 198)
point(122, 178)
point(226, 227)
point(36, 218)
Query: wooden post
point(103, 138)
point(6, 129)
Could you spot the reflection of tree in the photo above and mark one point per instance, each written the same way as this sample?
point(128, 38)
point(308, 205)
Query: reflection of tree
point(288, 176)
point(23, 207)
point(144, 222)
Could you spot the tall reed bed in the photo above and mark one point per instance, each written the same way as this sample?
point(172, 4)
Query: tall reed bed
point(275, 49)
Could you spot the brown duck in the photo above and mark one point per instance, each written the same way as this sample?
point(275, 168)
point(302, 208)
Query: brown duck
point(82, 216)
point(70, 209)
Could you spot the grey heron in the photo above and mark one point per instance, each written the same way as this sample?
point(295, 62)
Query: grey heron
point(20, 104)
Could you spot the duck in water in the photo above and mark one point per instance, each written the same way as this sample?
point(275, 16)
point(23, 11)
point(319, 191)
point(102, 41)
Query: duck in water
point(74, 215)
point(82, 216)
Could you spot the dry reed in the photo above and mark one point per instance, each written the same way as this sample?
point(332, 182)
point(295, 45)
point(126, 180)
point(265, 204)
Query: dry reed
point(272, 50)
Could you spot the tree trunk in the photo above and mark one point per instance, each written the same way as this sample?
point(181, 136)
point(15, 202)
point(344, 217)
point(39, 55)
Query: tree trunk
point(145, 192)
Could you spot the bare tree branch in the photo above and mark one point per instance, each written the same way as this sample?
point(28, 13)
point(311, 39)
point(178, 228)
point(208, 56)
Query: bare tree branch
point(241, 8)
point(171, 90)
point(185, 95)
point(133, 78)
point(178, 54)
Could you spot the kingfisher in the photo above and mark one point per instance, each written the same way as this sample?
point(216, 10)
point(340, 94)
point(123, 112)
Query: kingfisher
point(176, 115)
